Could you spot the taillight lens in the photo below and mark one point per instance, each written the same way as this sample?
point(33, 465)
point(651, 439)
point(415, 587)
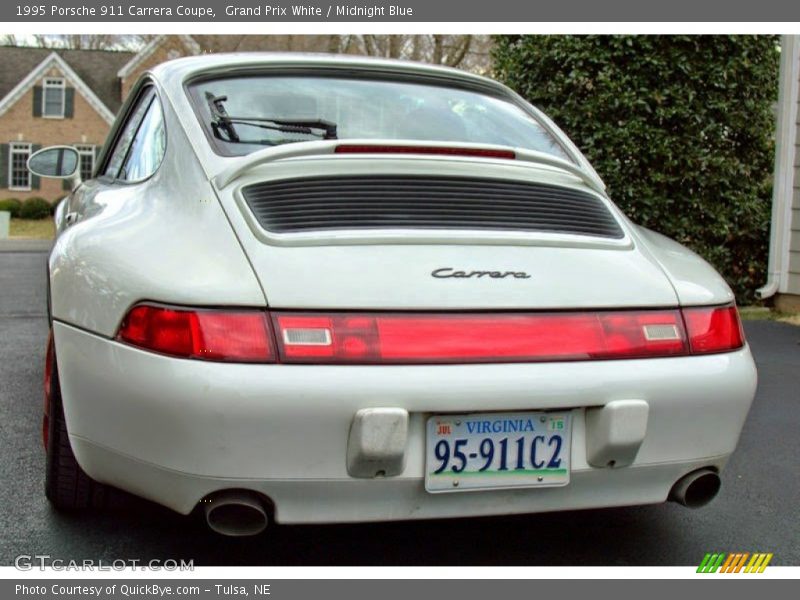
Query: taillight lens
point(426, 338)
point(713, 329)
point(474, 338)
point(217, 335)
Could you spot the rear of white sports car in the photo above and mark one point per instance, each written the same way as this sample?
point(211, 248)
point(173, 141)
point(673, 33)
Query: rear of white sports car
point(450, 326)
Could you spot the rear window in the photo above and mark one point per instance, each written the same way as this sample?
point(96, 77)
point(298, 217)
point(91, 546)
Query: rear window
point(362, 108)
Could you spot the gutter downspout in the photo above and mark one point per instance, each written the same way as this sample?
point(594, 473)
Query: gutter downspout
point(784, 166)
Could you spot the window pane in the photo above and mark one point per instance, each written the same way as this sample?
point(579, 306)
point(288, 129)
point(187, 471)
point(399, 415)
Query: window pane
point(371, 109)
point(87, 166)
point(128, 132)
point(18, 158)
point(54, 101)
point(86, 154)
point(147, 148)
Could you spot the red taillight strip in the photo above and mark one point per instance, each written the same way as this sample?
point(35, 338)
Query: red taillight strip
point(204, 334)
point(429, 338)
point(444, 150)
point(475, 338)
point(713, 329)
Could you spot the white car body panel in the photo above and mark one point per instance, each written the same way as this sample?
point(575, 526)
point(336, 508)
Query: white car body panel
point(695, 281)
point(270, 425)
point(166, 238)
point(174, 430)
point(394, 271)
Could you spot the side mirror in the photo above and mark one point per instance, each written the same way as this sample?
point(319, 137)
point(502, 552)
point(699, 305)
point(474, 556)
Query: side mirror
point(57, 162)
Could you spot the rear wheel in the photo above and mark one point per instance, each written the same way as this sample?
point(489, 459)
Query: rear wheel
point(67, 486)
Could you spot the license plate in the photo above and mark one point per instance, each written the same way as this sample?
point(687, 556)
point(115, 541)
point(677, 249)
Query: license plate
point(496, 451)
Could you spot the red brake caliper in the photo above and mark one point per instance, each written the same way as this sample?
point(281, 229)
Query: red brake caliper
point(49, 363)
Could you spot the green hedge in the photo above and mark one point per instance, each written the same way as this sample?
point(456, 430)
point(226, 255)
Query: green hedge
point(11, 205)
point(681, 129)
point(35, 208)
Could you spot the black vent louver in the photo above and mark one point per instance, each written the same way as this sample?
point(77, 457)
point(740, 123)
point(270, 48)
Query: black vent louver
point(404, 202)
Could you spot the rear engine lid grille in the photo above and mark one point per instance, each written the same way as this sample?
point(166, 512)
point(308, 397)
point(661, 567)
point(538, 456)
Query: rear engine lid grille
point(408, 202)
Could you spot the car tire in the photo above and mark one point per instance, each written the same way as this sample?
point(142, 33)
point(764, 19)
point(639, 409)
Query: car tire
point(67, 486)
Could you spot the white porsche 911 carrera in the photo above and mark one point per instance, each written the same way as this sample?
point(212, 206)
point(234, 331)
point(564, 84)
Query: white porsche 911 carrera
point(326, 289)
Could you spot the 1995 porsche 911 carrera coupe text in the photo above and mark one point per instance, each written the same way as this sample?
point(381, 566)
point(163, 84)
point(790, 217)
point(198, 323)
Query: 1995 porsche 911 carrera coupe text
point(326, 289)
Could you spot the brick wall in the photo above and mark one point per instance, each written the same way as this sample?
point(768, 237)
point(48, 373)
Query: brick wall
point(19, 125)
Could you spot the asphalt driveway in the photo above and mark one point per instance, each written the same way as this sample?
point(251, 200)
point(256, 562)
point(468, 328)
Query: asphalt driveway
point(756, 511)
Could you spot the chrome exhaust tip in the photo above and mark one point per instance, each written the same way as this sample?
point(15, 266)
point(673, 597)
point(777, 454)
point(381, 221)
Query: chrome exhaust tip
point(696, 489)
point(235, 513)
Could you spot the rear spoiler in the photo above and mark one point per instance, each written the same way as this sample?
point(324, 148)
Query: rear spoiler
point(404, 148)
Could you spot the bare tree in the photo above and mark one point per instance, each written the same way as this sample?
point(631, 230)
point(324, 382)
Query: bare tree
point(220, 43)
point(89, 41)
point(469, 52)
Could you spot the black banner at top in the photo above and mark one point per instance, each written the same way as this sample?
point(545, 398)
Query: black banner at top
point(463, 11)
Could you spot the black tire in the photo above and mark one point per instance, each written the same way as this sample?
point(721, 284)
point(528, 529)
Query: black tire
point(67, 486)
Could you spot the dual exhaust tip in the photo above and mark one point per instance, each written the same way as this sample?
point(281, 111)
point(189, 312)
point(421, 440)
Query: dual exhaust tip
point(696, 489)
point(236, 513)
point(241, 513)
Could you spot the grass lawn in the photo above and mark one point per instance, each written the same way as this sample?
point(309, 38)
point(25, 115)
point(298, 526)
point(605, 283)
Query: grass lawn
point(40, 229)
point(762, 313)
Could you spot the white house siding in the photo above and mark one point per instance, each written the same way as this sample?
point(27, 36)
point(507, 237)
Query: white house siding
point(793, 282)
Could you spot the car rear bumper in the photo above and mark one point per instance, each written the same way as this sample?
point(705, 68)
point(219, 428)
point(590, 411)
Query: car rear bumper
point(174, 430)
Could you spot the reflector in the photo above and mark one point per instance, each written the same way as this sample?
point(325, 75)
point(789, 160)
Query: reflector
point(307, 337)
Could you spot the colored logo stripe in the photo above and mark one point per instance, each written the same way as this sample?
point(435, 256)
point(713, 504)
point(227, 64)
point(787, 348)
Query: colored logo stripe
point(758, 563)
point(710, 563)
point(734, 562)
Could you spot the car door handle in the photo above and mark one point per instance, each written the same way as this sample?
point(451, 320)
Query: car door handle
point(71, 218)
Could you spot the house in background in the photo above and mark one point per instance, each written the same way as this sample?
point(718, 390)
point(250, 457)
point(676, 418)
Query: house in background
point(70, 97)
point(784, 249)
point(50, 97)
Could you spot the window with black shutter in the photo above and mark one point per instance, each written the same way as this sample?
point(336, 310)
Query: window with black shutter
point(19, 178)
point(53, 98)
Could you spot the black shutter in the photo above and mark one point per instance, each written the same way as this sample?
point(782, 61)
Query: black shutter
point(69, 103)
point(36, 181)
point(37, 101)
point(3, 165)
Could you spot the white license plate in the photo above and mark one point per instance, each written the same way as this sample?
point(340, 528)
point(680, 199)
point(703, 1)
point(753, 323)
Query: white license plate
point(497, 450)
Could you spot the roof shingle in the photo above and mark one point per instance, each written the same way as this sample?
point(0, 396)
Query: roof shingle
point(97, 68)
